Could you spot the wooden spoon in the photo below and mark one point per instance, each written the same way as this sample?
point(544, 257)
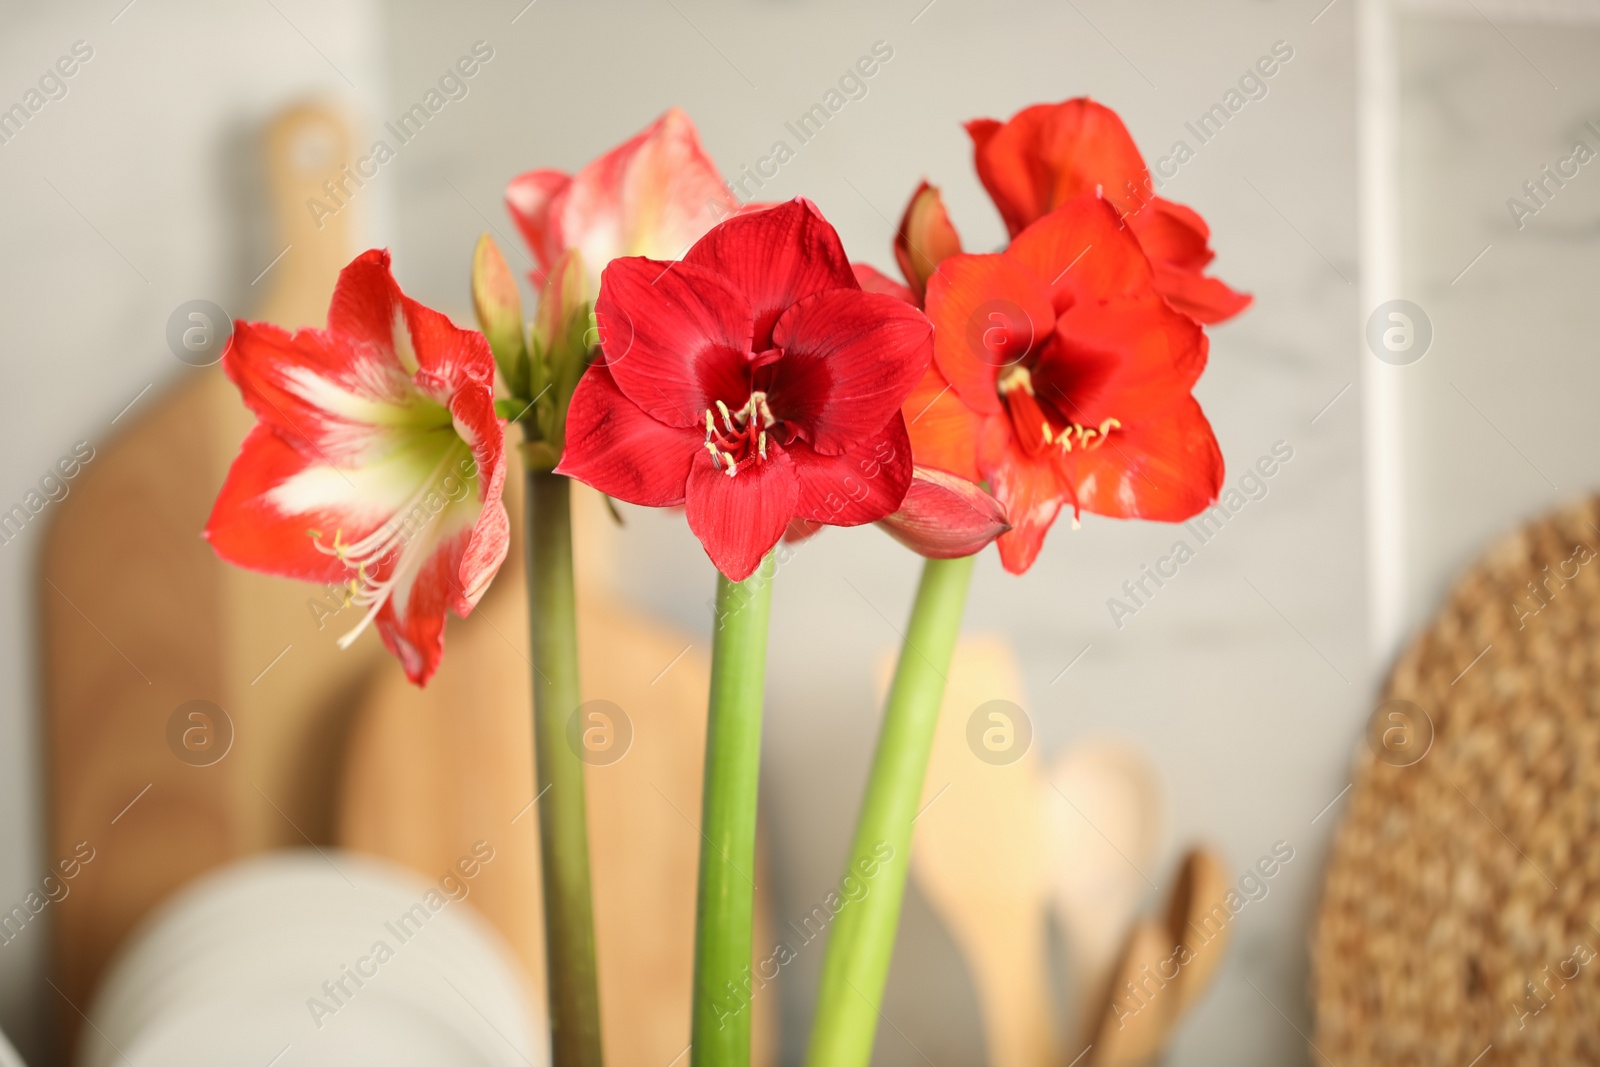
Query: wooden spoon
point(1138, 1005)
point(1198, 921)
point(1105, 815)
point(976, 856)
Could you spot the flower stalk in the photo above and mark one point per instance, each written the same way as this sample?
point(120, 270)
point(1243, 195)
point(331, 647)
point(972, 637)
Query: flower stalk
point(861, 944)
point(724, 908)
point(540, 371)
point(563, 821)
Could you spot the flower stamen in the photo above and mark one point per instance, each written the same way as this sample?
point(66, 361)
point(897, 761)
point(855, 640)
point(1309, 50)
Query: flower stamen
point(745, 434)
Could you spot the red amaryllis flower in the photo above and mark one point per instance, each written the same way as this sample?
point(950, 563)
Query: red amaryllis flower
point(1048, 154)
point(653, 195)
point(1061, 376)
point(754, 381)
point(376, 461)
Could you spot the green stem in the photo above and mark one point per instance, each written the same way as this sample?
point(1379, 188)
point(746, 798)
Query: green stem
point(563, 825)
point(861, 942)
point(720, 1036)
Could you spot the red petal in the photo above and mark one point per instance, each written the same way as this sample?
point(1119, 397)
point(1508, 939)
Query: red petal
point(1082, 251)
point(248, 530)
point(943, 516)
point(534, 200)
point(738, 519)
point(943, 430)
point(413, 628)
point(1167, 468)
point(369, 309)
point(987, 313)
point(775, 258)
point(1173, 234)
point(1050, 153)
point(861, 486)
point(849, 361)
point(621, 451)
point(1206, 300)
point(320, 388)
point(1120, 359)
point(1177, 240)
point(473, 415)
point(676, 337)
point(875, 281)
point(1032, 492)
point(654, 195)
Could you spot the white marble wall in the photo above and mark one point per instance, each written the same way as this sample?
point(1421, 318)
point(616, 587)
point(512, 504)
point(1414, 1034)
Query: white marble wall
point(1500, 419)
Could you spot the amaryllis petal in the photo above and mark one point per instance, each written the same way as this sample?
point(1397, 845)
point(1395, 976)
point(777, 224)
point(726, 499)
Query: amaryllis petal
point(849, 359)
point(874, 280)
point(675, 336)
point(776, 258)
point(1081, 251)
point(1177, 240)
point(1206, 300)
point(944, 517)
point(1048, 154)
point(860, 486)
point(739, 518)
point(943, 429)
point(779, 382)
point(1031, 490)
point(654, 195)
point(1110, 359)
point(621, 451)
point(926, 237)
point(532, 199)
point(987, 313)
point(248, 530)
point(377, 460)
point(1166, 467)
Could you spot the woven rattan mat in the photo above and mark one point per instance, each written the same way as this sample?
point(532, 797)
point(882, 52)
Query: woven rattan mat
point(1462, 904)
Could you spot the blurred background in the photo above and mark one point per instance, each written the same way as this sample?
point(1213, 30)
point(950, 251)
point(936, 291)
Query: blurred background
point(1245, 684)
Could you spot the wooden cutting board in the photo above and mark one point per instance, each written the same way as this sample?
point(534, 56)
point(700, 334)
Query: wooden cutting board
point(431, 772)
point(139, 617)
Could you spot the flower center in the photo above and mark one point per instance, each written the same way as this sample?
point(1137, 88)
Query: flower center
point(1039, 426)
point(736, 439)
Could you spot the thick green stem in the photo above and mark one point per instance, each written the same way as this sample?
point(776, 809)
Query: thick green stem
point(862, 939)
point(563, 824)
point(720, 1036)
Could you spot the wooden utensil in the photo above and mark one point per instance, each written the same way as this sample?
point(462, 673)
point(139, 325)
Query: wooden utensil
point(1198, 920)
point(1105, 818)
point(432, 771)
point(1137, 1006)
point(139, 617)
point(977, 858)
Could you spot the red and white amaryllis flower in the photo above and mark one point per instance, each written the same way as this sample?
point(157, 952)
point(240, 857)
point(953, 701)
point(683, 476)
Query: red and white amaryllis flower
point(754, 382)
point(653, 195)
point(376, 461)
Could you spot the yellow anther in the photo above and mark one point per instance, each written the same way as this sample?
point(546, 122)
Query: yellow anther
point(1014, 378)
